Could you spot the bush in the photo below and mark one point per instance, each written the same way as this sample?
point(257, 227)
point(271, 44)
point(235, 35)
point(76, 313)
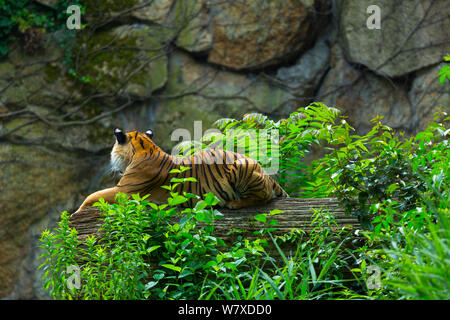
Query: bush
point(146, 251)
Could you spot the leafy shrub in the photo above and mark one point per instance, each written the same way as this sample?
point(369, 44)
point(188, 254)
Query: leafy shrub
point(412, 248)
point(360, 170)
point(145, 254)
point(379, 166)
point(146, 251)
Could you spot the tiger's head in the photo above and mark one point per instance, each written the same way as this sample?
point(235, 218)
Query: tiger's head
point(128, 146)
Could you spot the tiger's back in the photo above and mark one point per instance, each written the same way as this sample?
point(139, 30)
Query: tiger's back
point(231, 176)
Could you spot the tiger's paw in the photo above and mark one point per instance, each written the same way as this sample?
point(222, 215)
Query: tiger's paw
point(233, 204)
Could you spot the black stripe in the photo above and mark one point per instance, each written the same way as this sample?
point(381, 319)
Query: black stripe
point(146, 158)
point(246, 168)
point(168, 174)
point(234, 176)
point(163, 163)
point(253, 191)
point(217, 184)
point(206, 178)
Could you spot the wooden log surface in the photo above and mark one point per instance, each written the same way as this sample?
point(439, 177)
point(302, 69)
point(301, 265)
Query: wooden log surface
point(297, 213)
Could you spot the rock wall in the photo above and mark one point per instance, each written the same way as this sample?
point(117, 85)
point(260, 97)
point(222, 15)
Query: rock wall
point(163, 64)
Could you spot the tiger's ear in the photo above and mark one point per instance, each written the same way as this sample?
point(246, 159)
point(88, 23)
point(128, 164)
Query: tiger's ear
point(120, 136)
point(149, 133)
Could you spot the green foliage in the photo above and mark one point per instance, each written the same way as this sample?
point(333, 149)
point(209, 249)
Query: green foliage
point(379, 166)
point(444, 73)
point(19, 16)
point(147, 251)
point(143, 252)
point(282, 144)
point(316, 270)
point(412, 248)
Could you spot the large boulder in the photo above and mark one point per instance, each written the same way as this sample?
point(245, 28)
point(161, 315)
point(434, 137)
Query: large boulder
point(39, 181)
point(188, 20)
point(363, 95)
point(192, 21)
point(258, 33)
point(414, 34)
point(46, 167)
point(427, 95)
point(197, 91)
point(37, 79)
point(303, 78)
point(129, 59)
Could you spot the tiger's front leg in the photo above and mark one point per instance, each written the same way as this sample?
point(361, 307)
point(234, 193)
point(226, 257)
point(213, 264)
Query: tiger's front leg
point(108, 194)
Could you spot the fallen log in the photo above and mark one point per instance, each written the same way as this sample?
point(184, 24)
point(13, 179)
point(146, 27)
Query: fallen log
point(297, 214)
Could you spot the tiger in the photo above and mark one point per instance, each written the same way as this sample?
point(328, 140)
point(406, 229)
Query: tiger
point(236, 180)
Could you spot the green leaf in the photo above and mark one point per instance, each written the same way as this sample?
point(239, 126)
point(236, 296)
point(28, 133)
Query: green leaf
point(200, 216)
point(261, 217)
point(150, 284)
point(275, 211)
point(200, 205)
point(186, 272)
point(178, 199)
point(172, 267)
point(217, 214)
point(151, 249)
point(211, 199)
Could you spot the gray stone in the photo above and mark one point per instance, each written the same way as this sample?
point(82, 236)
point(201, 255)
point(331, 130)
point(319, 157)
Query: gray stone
point(192, 21)
point(129, 58)
point(414, 34)
point(303, 78)
point(427, 95)
point(363, 95)
point(197, 91)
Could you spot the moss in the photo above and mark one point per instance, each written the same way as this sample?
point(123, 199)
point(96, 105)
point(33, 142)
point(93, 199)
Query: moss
point(107, 7)
point(99, 135)
point(112, 56)
point(6, 69)
point(189, 19)
point(52, 73)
